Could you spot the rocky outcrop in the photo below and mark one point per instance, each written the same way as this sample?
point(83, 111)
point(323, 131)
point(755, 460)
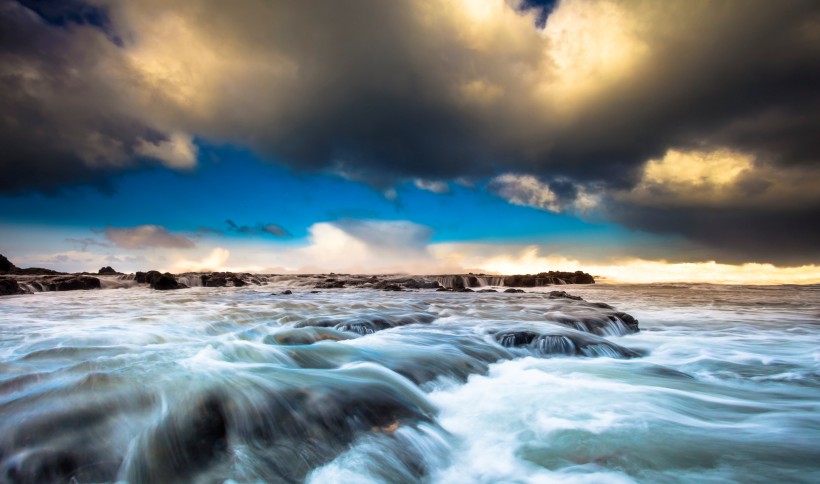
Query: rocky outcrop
point(548, 278)
point(223, 279)
point(166, 282)
point(147, 277)
point(71, 282)
point(330, 283)
point(6, 265)
point(107, 270)
point(9, 286)
point(564, 295)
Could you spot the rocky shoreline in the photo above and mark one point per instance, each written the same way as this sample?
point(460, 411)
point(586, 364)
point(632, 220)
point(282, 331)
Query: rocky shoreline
point(14, 280)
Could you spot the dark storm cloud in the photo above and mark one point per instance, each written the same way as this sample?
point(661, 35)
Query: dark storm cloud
point(737, 236)
point(65, 118)
point(431, 90)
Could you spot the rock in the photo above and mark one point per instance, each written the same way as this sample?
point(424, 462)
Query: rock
point(407, 283)
point(147, 277)
point(286, 292)
point(464, 289)
point(330, 284)
point(307, 336)
point(107, 270)
point(443, 289)
point(6, 265)
point(392, 287)
point(71, 283)
point(166, 282)
point(222, 279)
point(487, 290)
point(568, 343)
point(183, 445)
point(9, 286)
point(601, 323)
point(513, 290)
point(564, 295)
point(548, 278)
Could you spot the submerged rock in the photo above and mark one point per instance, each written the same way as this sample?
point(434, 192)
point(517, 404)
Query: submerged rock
point(601, 323)
point(562, 343)
point(182, 445)
point(370, 324)
point(306, 336)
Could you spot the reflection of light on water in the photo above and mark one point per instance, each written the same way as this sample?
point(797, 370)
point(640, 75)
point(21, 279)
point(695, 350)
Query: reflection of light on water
point(237, 384)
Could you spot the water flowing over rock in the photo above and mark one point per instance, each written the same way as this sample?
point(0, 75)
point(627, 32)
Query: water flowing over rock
point(230, 384)
point(562, 343)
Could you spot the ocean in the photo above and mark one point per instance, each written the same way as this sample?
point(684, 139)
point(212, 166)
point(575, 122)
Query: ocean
point(720, 384)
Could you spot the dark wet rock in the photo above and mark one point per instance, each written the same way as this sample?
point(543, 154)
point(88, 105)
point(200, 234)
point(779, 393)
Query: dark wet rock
point(370, 324)
point(9, 286)
point(406, 283)
point(330, 284)
point(601, 323)
point(564, 295)
point(41, 465)
point(464, 289)
point(299, 429)
point(601, 305)
point(107, 270)
point(315, 292)
point(287, 292)
point(392, 287)
point(6, 265)
point(166, 282)
point(62, 443)
point(548, 278)
point(513, 290)
point(443, 289)
point(307, 336)
point(562, 343)
point(223, 279)
point(183, 445)
point(68, 283)
point(147, 277)
point(487, 290)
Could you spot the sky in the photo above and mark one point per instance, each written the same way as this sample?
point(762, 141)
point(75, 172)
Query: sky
point(638, 141)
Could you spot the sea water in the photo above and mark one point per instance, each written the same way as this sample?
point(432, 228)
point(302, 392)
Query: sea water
point(721, 384)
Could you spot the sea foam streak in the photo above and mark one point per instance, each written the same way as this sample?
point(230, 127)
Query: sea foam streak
point(353, 385)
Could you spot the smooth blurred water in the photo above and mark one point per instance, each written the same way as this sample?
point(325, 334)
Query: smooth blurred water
point(722, 383)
